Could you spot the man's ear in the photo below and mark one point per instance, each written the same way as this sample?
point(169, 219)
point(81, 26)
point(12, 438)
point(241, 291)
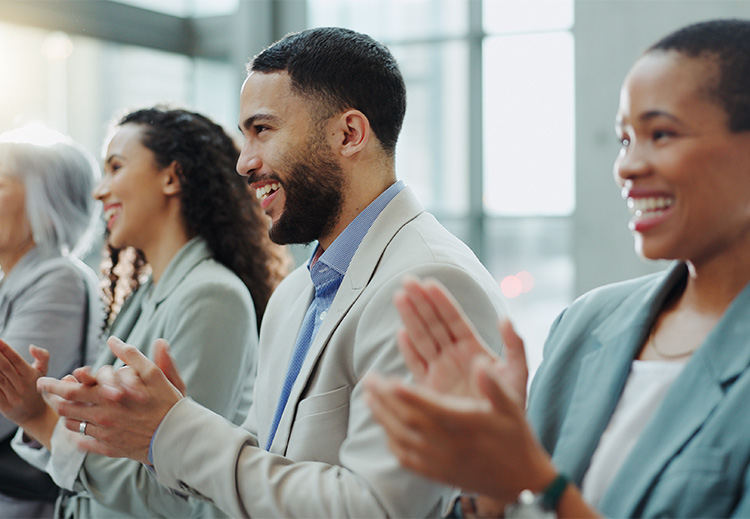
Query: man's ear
point(171, 184)
point(355, 132)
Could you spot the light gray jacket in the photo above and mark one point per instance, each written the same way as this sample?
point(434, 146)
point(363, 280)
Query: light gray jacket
point(51, 301)
point(329, 457)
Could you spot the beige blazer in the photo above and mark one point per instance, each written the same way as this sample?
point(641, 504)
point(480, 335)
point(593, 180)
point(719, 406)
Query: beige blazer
point(329, 457)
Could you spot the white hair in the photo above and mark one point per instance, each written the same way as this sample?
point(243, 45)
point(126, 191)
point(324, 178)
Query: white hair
point(58, 176)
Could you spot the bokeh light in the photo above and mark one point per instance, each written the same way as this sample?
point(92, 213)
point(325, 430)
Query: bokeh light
point(514, 286)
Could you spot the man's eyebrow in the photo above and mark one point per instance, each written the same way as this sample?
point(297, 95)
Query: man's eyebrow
point(254, 119)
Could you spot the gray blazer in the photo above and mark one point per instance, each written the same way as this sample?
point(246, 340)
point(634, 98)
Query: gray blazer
point(51, 301)
point(42, 302)
point(329, 457)
point(206, 313)
point(693, 456)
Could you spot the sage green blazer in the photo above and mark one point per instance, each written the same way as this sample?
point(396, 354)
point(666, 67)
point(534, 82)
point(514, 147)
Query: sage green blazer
point(692, 458)
point(207, 315)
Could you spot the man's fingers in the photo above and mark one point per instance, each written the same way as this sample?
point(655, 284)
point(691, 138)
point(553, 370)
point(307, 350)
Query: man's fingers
point(130, 355)
point(130, 383)
point(108, 381)
point(165, 362)
point(84, 376)
point(67, 409)
point(67, 389)
point(89, 442)
point(149, 372)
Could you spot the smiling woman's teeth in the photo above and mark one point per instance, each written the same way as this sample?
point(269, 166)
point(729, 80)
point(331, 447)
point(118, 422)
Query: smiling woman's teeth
point(263, 191)
point(639, 206)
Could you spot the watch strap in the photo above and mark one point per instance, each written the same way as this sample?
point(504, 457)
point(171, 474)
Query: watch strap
point(551, 495)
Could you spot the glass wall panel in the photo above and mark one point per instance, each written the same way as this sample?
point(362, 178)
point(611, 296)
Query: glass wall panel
point(509, 16)
point(531, 259)
point(529, 124)
point(432, 153)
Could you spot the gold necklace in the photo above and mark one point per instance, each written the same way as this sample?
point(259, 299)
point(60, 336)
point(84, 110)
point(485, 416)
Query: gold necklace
point(664, 355)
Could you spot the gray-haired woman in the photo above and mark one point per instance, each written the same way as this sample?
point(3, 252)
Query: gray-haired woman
point(48, 297)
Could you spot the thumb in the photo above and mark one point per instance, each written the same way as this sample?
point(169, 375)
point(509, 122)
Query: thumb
point(164, 360)
point(41, 359)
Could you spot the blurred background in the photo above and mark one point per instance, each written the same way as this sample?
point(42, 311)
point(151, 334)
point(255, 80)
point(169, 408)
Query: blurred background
point(508, 137)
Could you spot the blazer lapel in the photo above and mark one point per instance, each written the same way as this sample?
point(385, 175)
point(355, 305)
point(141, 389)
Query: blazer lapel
point(690, 401)
point(123, 324)
point(276, 367)
point(403, 208)
point(603, 373)
point(191, 254)
point(149, 296)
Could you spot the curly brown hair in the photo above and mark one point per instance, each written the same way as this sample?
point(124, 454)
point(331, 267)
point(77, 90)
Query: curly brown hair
point(217, 204)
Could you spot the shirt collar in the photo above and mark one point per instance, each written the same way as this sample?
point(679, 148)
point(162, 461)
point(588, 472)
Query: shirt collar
point(340, 253)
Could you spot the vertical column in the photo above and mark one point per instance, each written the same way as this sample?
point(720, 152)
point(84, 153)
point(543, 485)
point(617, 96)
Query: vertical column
point(476, 234)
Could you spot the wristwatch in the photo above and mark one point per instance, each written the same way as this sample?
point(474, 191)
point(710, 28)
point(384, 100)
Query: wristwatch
point(539, 505)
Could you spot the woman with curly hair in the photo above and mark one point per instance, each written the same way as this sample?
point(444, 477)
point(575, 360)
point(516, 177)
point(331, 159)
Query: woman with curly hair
point(174, 206)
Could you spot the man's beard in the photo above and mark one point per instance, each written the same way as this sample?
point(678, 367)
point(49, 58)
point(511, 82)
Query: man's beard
point(313, 192)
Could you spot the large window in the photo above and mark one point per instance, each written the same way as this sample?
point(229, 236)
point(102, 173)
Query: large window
point(75, 84)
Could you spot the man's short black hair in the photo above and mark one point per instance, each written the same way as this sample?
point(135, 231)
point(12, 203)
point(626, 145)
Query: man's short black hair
point(342, 69)
point(727, 42)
